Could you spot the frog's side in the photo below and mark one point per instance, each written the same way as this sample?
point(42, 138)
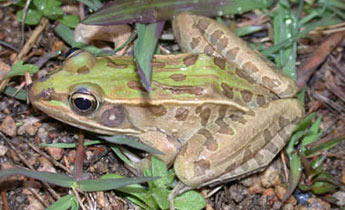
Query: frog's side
point(218, 119)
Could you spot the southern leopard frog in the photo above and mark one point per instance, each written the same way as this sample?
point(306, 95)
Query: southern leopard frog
point(215, 117)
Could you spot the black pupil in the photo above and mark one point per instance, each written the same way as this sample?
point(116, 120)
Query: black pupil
point(82, 103)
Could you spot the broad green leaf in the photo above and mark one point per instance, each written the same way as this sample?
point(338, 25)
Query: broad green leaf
point(317, 149)
point(159, 169)
point(19, 69)
point(93, 4)
point(66, 202)
point(190, 200)
point(13, 92)
point(50, 8)
point(70, 20)
point(151, 11)
point(51, 178)
point(160, 194)
point(32, 17)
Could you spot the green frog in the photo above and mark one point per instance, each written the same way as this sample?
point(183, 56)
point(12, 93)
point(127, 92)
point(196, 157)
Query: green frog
point(219, 112)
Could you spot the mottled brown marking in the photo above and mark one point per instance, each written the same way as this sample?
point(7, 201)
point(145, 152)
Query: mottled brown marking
point(267, 135)
point(260, 100)
point(259, 158)
point(181, 114)
point(222, 111)
point(211, 145)
point(198, 109)
point(207, 134)
point(209, 50)
point(190, 60)
point(158, 110)
point(243, 75)
point(232, 54)
point(283, 122)
point(83, 70)
point(247, 153)
point(215, 36)
point(246, 95)
point(117, 66)
point(245, 166)
point(223, 42)
point(270, 83)
point(238, 117)
point(228, 91)
point(284, 135)
point(230, 167)
point(272, 147)
point(203, 24)
point(205, 115)
point(195, 42)
point(201, 166)
point(113, 116)
point(178, 77)
point(135, 85)
point(157, 64)
point(189, 89)
point(250, 67)
point(219, 62)
point(226, 130)
point(251, 113)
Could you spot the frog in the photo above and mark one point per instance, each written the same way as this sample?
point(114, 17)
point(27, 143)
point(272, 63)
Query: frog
point(218, 112)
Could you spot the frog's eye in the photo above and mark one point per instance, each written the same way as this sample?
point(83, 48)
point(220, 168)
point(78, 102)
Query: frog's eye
point(83, 102)
point(72, 52)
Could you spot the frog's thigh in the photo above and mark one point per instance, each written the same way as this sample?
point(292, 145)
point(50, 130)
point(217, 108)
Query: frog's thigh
point(243, 143)
point(162, 142)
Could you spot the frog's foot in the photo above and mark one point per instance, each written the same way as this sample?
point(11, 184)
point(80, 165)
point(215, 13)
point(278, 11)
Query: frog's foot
point(99, 35)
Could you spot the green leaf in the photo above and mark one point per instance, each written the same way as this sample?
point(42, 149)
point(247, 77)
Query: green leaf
point(32, 17)
point(144, 47)
point(19, 69)
point(66, 202)
point(295, 175)
point(13, 92)
point(160, 195)
point(190, 200)
point(317, 149)
point(51, 178)
point(159, 169)
point(70, 20)
point(50, 8)
point(71, 145)
point(110, 184)
point(93, 4)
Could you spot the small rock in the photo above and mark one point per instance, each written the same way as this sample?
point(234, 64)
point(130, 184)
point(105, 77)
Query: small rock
point(271, 176)
point(315, 204)
point(34, 203)
point(288, 207)
point(340, 196)
point(55, 152)
point(101, 200)
point(8, 126)
point(280, 191)
point(3, 150)
point(238, 192)
point(250, 180)
point(46, 165)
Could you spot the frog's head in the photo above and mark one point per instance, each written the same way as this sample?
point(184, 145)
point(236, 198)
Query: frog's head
point(77, 94)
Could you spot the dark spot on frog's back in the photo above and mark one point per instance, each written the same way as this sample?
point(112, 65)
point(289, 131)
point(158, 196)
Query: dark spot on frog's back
point(246, 95)
point(190, 60)
point(114, 65)
point(181, 114)
point(135, 85)
point(195, 42)
point(113, 116)
point(215, 36)
point(178, 77)
point(219, 62)
point(228, 91)
point(83, 70)
point(158, 110)
point(203, 24)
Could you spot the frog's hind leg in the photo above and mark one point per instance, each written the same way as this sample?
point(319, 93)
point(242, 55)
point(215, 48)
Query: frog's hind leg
point(238, 144)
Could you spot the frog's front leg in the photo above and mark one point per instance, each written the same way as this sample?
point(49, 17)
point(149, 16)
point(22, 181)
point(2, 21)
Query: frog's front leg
point(237, 144)
point(198, 34)
point(163, 142)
